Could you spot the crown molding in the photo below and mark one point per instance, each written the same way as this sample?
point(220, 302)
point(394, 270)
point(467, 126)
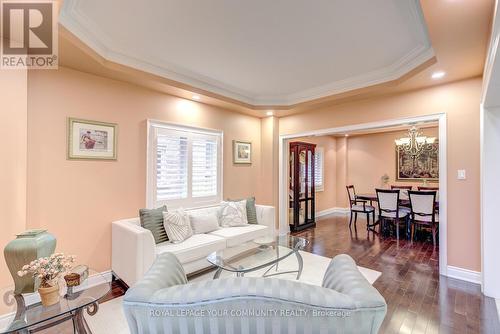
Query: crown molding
point(87, 31)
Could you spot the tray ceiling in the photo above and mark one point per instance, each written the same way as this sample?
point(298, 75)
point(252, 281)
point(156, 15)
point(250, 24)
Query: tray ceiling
point(258, 52)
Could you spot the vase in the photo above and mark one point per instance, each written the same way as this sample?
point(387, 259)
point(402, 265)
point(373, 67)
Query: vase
point(50, 295)
point(28, 246)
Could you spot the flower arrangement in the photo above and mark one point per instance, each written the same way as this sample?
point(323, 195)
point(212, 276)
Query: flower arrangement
point(48, 269)
point(384, 179)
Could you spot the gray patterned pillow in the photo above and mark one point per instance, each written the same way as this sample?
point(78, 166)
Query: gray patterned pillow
point(152, 219)
point(233, 214)
point(177, 225)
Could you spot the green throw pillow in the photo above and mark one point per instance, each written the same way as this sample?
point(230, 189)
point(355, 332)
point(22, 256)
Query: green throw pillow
point(251, 210)
point(152, 219)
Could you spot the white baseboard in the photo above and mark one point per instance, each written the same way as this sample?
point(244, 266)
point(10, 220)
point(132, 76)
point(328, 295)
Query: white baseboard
point(464, 274)
point(332, 211)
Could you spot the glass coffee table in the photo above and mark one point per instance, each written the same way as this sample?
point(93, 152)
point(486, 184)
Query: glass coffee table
point(258, 254)
point(25, 314)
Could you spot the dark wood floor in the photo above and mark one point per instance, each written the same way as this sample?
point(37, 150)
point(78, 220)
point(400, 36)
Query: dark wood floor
point(419, 299)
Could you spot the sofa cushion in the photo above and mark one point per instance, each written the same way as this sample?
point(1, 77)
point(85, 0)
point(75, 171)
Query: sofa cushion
point(204, 223)
point(152, 219)
point(235, 236)
point(233, 214)
point(193, 248)
point(251, 209)
point(177, 225)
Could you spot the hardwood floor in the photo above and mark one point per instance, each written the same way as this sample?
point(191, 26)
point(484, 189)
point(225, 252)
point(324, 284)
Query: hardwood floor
point(419, 299)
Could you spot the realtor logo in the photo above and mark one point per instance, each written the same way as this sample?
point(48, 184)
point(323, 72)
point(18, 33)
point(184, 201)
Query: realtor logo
point(29, 35)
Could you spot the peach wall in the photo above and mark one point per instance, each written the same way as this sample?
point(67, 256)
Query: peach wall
point(460, 101)
point(268, 189)
point(13, 115)
point(327, 198)
point(373, 155)
point(341, 172)
point(78, 200)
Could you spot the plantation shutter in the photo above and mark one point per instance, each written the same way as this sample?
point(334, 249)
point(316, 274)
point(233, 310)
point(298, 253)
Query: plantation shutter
point(204, 180)
point(171, 166)
point(185, 166)
point(318, 168)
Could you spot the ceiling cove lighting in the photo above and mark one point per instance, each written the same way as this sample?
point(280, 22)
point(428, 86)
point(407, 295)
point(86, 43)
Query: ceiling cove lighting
point(416, 143)
point(438, 75)
point(196, 97)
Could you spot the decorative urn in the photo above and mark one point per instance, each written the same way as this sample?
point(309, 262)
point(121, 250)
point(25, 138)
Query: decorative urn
point(28, 246)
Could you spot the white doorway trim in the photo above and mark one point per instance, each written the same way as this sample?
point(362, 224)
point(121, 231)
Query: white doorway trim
point(440, 117)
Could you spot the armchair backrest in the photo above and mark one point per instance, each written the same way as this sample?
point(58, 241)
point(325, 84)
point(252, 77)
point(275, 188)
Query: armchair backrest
point(346, 299)
point(388, 202)
point(351, 193)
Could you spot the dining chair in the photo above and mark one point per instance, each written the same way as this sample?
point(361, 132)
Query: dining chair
point(422, 188)
point(390, 210)
point(404, 191)
point(423, 213)
point(425, 188)
point(356, 208)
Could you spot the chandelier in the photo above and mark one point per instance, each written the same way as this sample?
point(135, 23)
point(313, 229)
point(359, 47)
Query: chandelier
point(416, 143)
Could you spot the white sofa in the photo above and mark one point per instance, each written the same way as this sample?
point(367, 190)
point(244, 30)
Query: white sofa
point(134, 249)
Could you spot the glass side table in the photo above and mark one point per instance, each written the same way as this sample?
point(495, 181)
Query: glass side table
point(25, 313)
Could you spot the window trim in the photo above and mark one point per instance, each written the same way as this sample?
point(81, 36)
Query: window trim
point(152, 124)
point(322, 187)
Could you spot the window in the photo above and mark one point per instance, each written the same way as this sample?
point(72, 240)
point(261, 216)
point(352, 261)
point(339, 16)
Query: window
point(184, 166)
point(319, 169)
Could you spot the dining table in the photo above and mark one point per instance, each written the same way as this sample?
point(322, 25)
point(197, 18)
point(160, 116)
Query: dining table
point(371, 197)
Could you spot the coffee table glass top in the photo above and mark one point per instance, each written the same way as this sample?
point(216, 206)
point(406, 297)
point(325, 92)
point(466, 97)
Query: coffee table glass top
point(19, 312)
point(259, 253)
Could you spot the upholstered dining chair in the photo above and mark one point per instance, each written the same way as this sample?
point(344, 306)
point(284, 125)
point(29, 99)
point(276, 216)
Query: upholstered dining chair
point(424, 188)
point(359, 206)
point(423, 213)
point(389, 209)
point(404, 191)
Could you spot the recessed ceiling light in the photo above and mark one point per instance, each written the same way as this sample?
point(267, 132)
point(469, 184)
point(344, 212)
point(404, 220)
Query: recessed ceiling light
point(196, 97)
point(269, 113)
point(438, 75)
point(346, 135)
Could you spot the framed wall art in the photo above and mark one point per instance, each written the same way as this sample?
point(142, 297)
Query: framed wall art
point(242, 152)
point(424, 166)
point(91, 140)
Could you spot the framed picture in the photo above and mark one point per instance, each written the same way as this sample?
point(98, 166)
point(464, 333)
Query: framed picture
point(91, 140)
point(242, 152)
point(425, 166)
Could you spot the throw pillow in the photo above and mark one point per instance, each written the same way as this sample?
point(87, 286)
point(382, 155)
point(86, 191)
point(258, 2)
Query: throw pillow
point(204, 224)
point(233, 214)
point(152, 219)
point(251, 210)
point(177, 225)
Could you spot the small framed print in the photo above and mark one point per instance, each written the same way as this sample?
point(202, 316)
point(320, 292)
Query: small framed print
point(242, 152)
point(91, 140)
